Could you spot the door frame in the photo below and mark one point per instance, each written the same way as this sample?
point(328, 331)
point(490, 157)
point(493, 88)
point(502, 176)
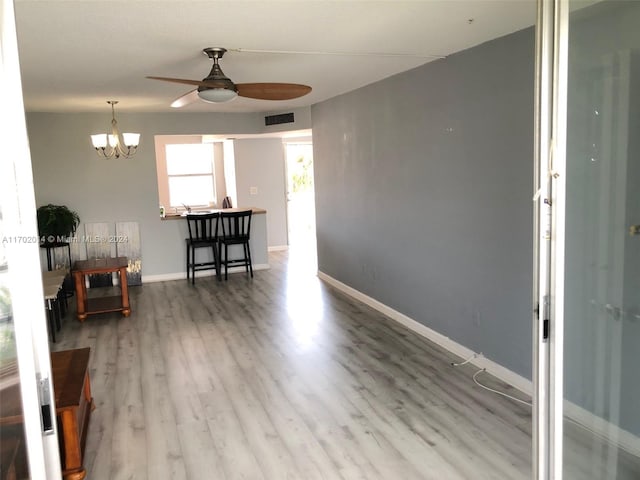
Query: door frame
point(19, 224)
point(549, 235)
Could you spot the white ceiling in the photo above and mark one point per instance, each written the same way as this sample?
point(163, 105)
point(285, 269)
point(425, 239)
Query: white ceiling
point(75, 55)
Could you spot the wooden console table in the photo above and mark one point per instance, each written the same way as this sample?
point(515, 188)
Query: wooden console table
point(72, 392)
point(89, 306)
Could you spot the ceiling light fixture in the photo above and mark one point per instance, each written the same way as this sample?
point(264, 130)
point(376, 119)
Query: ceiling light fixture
point(223, 88)
point(217, 95)
point(114, 144)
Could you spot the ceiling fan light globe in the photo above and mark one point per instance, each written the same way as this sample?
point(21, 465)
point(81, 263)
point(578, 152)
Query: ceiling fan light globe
point(217, 95)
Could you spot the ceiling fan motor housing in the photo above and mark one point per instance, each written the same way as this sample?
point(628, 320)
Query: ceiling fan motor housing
point(217, 77)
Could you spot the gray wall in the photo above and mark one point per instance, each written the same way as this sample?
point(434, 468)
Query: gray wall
point(260, 164)
point(67, 171)
point(424, 195)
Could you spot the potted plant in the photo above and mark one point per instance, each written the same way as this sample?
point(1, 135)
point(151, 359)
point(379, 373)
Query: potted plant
point(56, 223)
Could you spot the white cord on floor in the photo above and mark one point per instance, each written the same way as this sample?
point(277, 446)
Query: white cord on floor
point(475, 379)
point(454, 364)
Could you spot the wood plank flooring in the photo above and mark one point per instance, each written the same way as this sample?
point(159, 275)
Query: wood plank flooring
point(281, 377)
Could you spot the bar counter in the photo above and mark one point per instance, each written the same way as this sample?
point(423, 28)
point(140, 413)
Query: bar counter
point(258, 242)
point(177, 216)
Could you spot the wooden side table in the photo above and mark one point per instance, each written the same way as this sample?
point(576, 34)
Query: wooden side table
point(72, 389)
point(89, 306)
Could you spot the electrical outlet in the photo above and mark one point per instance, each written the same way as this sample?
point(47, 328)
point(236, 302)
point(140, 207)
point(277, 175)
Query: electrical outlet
point(253, 190)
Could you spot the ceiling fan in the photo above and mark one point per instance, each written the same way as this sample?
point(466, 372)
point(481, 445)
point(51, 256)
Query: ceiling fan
point(217, 87)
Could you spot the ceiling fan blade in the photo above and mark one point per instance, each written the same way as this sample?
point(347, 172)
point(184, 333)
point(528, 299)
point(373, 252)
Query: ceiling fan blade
point(272, 91)
point(199, 83)
point(185, 99)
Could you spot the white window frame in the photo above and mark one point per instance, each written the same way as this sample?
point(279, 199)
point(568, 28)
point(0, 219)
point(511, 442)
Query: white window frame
point(161, 142)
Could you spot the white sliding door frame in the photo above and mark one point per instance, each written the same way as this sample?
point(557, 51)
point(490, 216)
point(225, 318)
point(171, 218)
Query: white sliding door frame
point(23, 259)
point(550, 169)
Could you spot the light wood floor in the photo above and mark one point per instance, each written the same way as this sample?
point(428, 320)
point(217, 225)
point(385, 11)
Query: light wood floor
point(281, 377)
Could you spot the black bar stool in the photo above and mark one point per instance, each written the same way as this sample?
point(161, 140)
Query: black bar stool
point(236, 230)
point(203, 233)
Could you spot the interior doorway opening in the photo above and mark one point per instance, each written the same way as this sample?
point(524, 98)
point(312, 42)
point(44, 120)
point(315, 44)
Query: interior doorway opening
point(301, 211)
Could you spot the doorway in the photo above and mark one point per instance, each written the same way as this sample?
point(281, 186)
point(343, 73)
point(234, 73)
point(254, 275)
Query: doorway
point(301, 216)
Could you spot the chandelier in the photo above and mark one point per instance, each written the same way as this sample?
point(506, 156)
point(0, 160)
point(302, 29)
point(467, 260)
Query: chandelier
point(115, 144)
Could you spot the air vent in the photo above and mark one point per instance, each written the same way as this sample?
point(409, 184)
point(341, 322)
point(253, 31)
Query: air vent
point(278, 119)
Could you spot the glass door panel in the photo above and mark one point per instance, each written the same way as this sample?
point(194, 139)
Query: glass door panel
point(28, 438)
point(12, 434)
point(601, 372)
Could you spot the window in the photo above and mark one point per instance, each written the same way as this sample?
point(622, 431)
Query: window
point(190, 174)
point(186, 170)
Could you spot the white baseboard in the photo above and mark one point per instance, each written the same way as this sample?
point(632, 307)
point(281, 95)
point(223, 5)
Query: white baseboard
point(278, 248)
point(585, 419)
point(603, 429)
point(495, 369)
point(167, 277)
